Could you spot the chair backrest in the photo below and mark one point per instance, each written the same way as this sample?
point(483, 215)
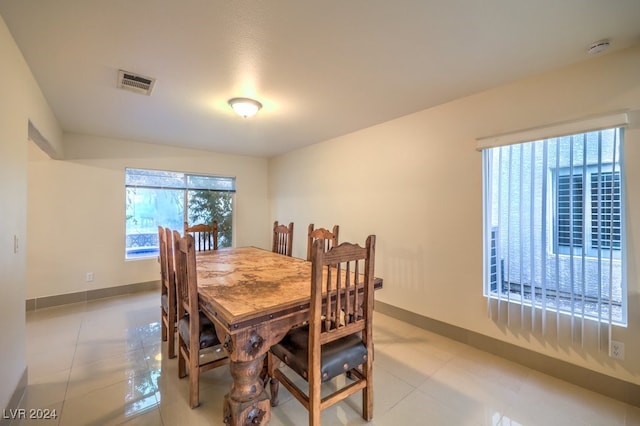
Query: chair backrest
point(282, 238)
point(186, 279)
point(343, 275)
point(167, 268)
point(329, 238)
point(205, 237)
point(167, 288)
point(171, 268)
point(162, 258)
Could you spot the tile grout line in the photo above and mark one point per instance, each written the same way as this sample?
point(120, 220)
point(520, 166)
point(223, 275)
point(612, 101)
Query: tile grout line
point(66, 389)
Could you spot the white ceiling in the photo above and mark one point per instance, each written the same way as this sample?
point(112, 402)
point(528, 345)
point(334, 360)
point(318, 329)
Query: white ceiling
point(320, 68)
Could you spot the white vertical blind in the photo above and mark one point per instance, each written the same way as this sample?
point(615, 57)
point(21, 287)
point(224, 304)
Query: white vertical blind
point(554, 230)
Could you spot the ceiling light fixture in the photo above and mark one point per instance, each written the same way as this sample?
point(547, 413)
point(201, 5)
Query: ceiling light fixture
point(245, 107)
point(598, 47)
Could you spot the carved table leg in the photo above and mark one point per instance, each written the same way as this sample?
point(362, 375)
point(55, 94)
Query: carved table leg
point(274, 386)
point(247, 403)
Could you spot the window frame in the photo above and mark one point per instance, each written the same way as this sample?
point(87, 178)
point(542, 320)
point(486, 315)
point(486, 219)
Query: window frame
point(168, 180)
point(504, 277)
point(586, 175)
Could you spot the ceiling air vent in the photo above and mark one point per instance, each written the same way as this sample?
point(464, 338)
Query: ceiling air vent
point(135, 82)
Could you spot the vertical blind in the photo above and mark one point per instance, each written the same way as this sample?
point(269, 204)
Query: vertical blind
point(554, 229)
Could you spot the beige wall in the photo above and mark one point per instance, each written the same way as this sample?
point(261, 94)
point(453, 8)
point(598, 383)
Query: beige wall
point(20, 102)
point(77, 207)
point(416, 183)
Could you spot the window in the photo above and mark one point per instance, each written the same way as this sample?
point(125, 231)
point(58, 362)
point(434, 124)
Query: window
point(554, 225)
point(570, 211)
point(588, 210)
point(158, 198)
point(606, 231)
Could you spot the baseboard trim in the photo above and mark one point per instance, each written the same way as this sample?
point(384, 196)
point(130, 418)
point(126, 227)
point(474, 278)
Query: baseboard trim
point(89, 295)
point(592, 380)
point(16, 397)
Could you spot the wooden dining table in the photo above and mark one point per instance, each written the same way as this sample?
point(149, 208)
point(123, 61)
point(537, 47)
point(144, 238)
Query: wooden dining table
point(253, 297)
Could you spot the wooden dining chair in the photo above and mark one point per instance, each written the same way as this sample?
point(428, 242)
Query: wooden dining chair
point(168, 304)
point(338, 338)
point(195, 331)
point(329, 238)
point(205, 236)
point(282, 239)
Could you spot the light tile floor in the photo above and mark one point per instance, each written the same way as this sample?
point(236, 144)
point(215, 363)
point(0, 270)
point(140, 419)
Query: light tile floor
point(102, 363)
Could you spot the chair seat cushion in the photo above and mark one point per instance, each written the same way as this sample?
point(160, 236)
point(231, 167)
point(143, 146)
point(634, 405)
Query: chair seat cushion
point(337, 357)
point(208, 336)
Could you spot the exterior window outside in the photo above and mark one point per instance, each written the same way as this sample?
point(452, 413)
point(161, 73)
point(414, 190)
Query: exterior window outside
point(554, 225)
point(578, 197)
point(158, 198)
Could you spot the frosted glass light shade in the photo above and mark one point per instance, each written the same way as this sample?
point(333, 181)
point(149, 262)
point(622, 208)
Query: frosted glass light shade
point(245, 107)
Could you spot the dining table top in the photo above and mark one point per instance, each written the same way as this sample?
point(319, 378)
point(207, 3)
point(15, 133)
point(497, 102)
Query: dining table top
point(245, 286)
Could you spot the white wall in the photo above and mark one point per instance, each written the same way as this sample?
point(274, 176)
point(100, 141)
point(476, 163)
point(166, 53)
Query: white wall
point(21, 101)
point(416, 182)
point(76, 221)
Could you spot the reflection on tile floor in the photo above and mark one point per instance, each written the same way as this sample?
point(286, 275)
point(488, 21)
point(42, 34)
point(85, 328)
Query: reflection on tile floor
point(102, 363)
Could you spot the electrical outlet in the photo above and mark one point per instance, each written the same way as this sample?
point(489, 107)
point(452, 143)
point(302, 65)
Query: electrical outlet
point(616, 350)
point(89, 277)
